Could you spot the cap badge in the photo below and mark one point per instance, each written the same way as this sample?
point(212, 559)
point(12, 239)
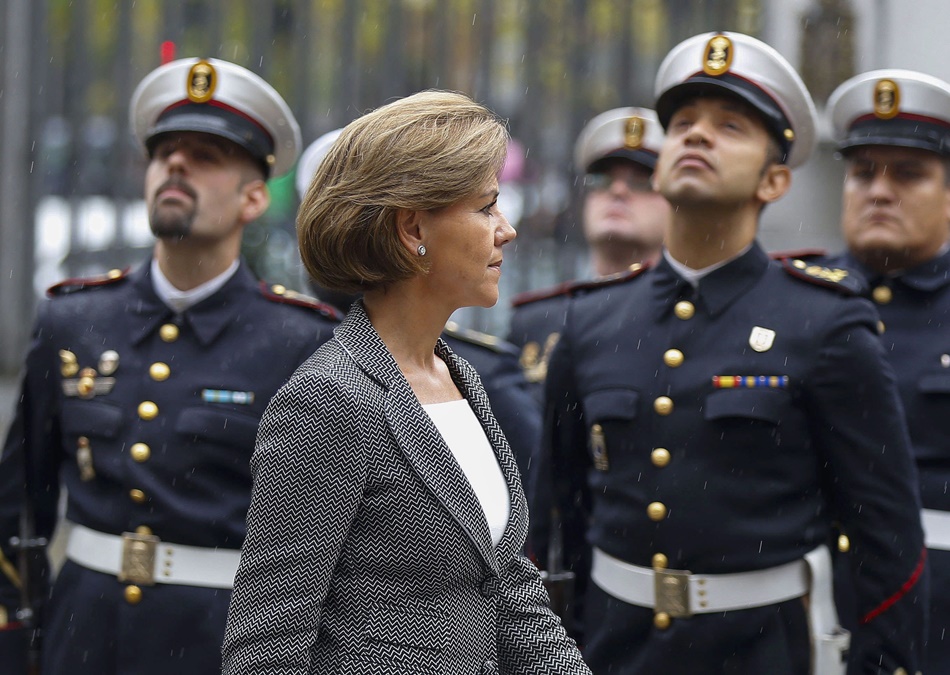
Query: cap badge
point(202, 80)
point(718, 55)
point(887, 98)
point(633, 132)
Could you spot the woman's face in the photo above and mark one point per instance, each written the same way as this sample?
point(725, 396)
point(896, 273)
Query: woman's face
point(463, 246)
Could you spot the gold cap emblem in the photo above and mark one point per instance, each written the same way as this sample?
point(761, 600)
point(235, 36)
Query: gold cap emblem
point(633, 131)
point(718, 55)
point(887, 98)
point(202, 79)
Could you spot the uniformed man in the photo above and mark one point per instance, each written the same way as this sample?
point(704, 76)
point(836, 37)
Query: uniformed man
point(142, 393)
point(710, 418)
point(893, 130)
point(517, 410)
point(624, 223)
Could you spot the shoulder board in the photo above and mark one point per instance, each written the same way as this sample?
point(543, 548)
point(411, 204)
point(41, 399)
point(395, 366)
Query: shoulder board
point(798, 253)
point(82, 283)
point(495, 344)
point(282, 294)
point(635, 270)
point(837, 278)
point(528, 297)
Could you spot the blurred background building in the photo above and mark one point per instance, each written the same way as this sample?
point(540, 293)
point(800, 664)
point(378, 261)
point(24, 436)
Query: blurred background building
point(71, 178)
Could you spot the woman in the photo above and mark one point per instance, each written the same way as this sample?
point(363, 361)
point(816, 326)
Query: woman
point(387, 520)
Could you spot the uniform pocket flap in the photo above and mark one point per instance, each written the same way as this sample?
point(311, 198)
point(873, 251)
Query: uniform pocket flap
point(231, 428)
point(934, 383)
point(611, 404)
point(91, 418)
point(759, 404)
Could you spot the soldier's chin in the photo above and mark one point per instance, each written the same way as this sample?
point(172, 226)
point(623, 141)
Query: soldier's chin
point(170, 228)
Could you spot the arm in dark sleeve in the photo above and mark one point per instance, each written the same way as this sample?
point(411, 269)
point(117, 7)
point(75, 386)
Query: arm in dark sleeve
point(558, 496)
point(859, 423)
point(32, 443)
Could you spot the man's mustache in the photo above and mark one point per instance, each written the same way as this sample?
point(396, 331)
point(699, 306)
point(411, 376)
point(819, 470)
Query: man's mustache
point(177, 184)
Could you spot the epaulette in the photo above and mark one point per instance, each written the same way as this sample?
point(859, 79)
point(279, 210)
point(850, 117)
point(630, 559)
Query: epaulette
point(528, 297)
point(282, 294)
point(495, 344)
point(82, 283)
point(837, 278)
point(569, 287)
point(798, 253)
point(635, 270)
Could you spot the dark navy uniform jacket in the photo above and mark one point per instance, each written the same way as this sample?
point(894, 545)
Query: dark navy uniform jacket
point(210, 373)
point(516, 409)
point(752, 477)
point(915, 313)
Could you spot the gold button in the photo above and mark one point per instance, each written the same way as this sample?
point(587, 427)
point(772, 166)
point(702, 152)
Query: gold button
point(140, 452)
point(663, 405)
point(148, 410)
point(881, 327)
point(900, 671)
point(144, 530)
point(684, 310)
point(662, 620)
point(882, 295)
point(656, 511)
point(660, 457)
point(673, 358)
point(133, 595)
point(159, 371)
point(137, 495)
point(277, 289)
point(660, 561)
point(168, 332)
point(86, 387)
point(844, 544)
point(114, 274)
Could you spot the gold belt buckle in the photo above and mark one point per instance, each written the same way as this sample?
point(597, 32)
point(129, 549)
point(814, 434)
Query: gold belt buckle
point(671, 593)
point(138, 558)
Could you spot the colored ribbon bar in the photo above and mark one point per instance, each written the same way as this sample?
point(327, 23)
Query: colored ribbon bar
point(225, 396)
point(749, 381)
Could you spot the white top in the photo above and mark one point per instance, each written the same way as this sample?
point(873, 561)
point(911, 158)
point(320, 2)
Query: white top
point(178, 300)
point(465, 437)
point(694, 276)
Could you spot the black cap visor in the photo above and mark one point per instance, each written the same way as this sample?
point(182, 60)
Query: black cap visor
point(705, 85)
point(640, 156)
point(899, 132)
point(218, 121)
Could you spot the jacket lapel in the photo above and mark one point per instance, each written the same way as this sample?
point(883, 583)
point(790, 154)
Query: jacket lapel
point(470, 385)
point(415, 433)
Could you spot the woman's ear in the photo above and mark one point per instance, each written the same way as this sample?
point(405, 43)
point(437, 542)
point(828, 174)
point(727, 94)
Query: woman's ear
point(409, 230)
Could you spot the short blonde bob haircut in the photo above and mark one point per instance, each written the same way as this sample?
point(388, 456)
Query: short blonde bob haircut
point(420, 153)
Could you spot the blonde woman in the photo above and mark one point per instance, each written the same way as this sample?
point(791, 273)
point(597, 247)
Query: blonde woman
point(388, 517)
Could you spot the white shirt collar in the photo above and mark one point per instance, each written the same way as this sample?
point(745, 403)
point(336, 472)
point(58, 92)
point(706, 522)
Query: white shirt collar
point(693, 276)
point(178, 300)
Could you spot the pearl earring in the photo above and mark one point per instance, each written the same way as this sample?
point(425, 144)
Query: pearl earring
point(421, 250)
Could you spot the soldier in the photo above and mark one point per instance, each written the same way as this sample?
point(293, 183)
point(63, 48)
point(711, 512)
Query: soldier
point(496, 361)
point(142, 392)
point(709, 418)
point(893, 130)
point(624, 222)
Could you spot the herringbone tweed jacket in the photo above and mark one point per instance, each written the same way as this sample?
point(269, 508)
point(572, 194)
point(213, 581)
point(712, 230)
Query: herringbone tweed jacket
point(367, 551)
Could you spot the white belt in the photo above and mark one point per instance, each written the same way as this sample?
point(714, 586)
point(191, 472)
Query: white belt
point(146, 560)
point(936, 529)
point(679, 593)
